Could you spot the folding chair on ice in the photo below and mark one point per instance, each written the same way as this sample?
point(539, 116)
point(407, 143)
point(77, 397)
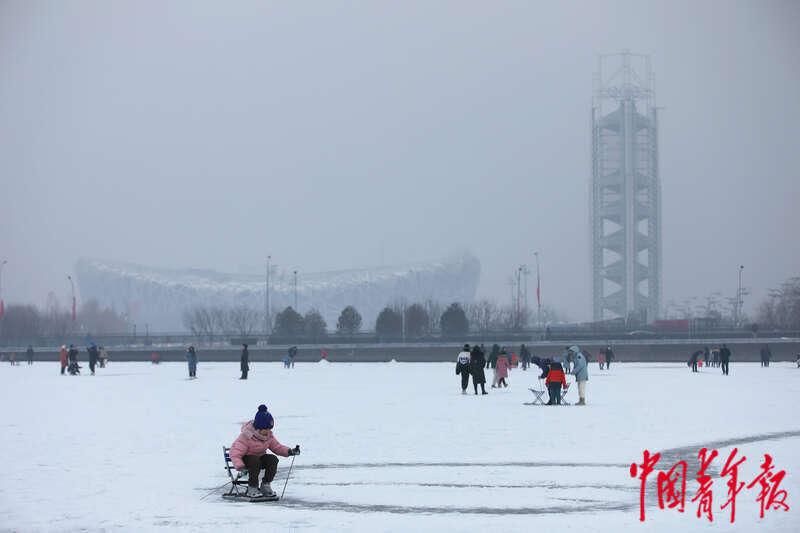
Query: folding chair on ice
point(564, 391)
point(238, 479)
point(538, 396)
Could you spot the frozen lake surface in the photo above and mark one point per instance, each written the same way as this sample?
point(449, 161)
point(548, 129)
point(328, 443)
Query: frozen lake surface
point(385, 447)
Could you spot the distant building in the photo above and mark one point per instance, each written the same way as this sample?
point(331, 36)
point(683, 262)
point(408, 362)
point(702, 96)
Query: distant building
point(159, 297)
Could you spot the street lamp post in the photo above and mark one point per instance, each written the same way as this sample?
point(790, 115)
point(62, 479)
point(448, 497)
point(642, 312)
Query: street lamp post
point(2, 305)
point(295, 291)
point(72, 289)
point(267, 318)
point(538, 292)
point(519, 296)
point(739, 298)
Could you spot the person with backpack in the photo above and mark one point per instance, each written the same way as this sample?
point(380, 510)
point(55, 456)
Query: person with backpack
point(249, 453)
point(463, 367)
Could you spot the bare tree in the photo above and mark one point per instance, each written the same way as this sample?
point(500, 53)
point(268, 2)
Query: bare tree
point(483, 315)
point(21, 322)
point(242, 320)
point(781, 309)
point(200, 322)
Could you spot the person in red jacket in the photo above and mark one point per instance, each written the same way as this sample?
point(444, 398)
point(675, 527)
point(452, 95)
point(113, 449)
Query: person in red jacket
point(554, 381)
point(62, 357)
point(249, 453)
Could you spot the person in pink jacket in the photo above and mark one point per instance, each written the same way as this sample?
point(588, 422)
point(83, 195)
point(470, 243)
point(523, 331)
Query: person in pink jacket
point(249, 452)
point(502, 369)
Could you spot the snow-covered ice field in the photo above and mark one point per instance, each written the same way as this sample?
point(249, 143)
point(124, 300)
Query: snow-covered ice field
point(385, 447)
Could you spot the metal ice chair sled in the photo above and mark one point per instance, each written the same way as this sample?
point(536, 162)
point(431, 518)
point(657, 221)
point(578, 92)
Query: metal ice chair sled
point(238, 479)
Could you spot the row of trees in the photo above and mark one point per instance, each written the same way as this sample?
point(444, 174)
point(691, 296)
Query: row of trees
point(781, 309)
point(26, 322)
point(413, 321)
point(242, 321)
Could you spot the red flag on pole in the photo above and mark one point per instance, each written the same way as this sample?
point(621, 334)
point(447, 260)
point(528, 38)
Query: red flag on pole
point(73, 309)
point(2, 308)
point(538, 293)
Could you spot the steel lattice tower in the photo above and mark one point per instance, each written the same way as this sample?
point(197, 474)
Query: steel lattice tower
point(625, 190)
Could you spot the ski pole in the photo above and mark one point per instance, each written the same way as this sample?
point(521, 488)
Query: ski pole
point(287, 477)
point(212, 491)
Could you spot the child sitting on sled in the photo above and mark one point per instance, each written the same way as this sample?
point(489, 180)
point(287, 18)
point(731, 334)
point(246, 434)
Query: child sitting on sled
point(249, 453)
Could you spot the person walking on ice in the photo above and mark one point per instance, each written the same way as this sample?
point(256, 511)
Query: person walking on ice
point(476, 363)
point(725, 359)
point(245, 362)
point(462, 367)
point(249, 453)
point(502, 369)
point(191, 360)
point(62, 358)
point(581, 372)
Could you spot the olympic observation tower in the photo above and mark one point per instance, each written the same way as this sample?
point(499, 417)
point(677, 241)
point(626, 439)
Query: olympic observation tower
point(625, 198)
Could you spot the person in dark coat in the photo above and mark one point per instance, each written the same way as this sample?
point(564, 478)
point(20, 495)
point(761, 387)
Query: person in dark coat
point(725, 358)
point(92, 357)
point(292, 354)
point(476, 363)
point(609, 357)
point(72, 355)
point(29, 353)
point(692, 362)
point(191, 361)
point(766, 355)
point(707, 356)
point(73, 368)
point(543, 364)
point(463, 367)
point(525, 355)
point(245, 363)
point(492, 361)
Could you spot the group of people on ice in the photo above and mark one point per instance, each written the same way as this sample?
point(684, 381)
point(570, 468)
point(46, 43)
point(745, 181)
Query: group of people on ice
point(471, 362)
point(718, 356)
point(69, 358)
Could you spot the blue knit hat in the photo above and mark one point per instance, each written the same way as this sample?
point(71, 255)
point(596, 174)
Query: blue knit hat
point(263, 420)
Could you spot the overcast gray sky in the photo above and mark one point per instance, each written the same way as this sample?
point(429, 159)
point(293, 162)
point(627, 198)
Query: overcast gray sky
point(210, 134)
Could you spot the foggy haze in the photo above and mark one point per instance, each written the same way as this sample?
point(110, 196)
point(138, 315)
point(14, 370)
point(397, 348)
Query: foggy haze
point(340, 135)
